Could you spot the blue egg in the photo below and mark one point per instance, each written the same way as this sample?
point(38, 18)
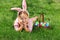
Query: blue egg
point(47, 24)
point(36, 24)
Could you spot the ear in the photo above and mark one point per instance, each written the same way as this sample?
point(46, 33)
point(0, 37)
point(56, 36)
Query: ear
point(17, 9)
point(24, 6)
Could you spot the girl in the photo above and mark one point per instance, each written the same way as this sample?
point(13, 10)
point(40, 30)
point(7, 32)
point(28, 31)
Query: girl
point(23, 20)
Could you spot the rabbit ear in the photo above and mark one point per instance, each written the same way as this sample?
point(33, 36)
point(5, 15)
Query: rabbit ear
point(17, 9)
point(24, 6)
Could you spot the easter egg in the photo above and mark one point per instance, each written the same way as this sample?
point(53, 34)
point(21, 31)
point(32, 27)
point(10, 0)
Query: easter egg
point(47, 24)
point(40, 25)
point(43, 24)
point(36, 24)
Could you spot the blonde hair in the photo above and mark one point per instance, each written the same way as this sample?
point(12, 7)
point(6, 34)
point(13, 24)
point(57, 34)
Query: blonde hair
point(24, 12)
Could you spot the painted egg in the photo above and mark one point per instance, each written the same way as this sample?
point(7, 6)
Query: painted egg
point(43, 24)
point(40, 25)
point(47, 24)
point(37, 23)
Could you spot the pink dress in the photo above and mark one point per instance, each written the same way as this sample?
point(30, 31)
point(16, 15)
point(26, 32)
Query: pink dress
point(30, 24)
point(16, 25)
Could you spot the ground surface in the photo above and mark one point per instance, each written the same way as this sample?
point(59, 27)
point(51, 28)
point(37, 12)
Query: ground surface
point(51, 9)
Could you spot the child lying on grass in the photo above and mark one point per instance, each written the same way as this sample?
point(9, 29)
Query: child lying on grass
point(23, 20)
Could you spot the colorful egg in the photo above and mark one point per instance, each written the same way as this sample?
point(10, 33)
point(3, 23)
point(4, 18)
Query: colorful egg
point(37, 23)
point(40, 25)
point(43, 24)
point(47, 24)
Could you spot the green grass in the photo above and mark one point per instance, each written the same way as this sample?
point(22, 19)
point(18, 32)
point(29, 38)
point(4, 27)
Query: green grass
point(35, 7)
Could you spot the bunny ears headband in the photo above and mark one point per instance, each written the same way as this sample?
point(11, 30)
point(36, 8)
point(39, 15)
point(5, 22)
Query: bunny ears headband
point(24, 7)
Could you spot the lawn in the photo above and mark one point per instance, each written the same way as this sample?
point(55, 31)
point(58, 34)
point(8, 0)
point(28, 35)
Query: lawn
point(51, 9)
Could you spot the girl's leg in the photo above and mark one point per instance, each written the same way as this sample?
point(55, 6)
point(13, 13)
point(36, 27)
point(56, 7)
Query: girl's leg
point(31, 22)
point(34, 19)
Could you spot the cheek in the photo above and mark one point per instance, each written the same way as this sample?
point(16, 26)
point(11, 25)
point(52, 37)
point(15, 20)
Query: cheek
point(21, 15)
